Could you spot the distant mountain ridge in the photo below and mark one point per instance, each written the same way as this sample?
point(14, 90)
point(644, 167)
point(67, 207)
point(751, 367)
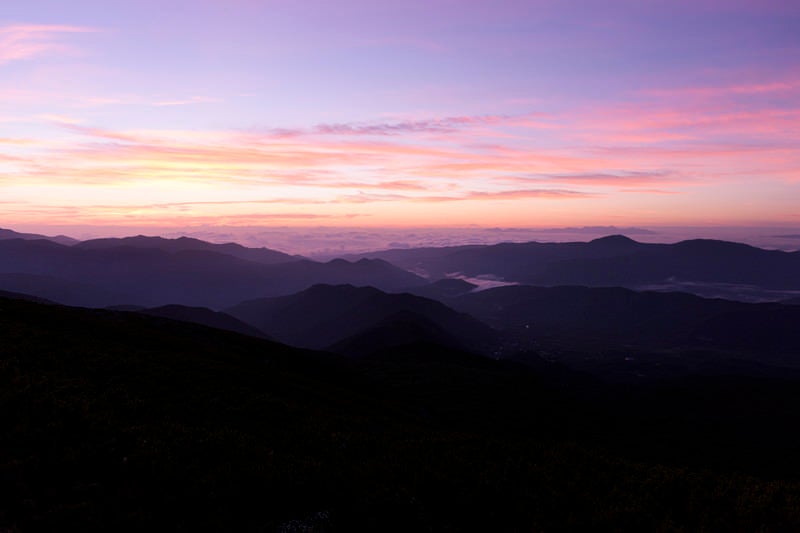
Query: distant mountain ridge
point(443, 289)
point(60, 239)
point(609, 261)
point(170, 273)
point(182, 244)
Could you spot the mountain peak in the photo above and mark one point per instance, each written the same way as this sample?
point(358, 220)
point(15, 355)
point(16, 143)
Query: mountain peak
point(614, 240)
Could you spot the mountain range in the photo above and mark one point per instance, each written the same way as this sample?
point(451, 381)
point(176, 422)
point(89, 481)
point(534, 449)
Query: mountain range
point(610, 261)
point(183, 244)
point(155, 272)
point(325, 315)
point(367, 305)
point(60, 239)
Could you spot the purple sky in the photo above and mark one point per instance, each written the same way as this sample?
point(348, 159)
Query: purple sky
point(436, 113)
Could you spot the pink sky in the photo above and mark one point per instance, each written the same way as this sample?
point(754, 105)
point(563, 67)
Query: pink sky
point(438, 113)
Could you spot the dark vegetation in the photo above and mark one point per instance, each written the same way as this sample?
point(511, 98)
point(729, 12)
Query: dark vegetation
point(121, 421)
point(20, 296)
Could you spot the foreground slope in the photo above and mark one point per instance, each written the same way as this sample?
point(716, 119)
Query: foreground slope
point(81, 294)
point(21, 296)
point(204, 317)
point(120, 421)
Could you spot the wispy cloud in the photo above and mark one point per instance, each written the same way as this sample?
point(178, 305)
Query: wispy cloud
point(471, 195)
point(409, 164)
point(27, 41)
point(652, 147)
point(715, 91)
point(609, 179)
point(406, 127)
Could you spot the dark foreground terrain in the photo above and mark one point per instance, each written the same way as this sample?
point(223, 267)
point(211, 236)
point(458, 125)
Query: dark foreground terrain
point(116, 420)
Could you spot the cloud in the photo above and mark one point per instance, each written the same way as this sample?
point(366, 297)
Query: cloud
point(27, 41)
point(650, 149)
point(470, 195)
point(526, 193)
point(716, 91)
point(410, 127)
point(641, 190)
point(630, 178)
point(65, 214)
point(62, 120)
point(384, 165)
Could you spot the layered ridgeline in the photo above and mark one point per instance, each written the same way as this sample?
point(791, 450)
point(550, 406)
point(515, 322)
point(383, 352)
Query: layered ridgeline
point(154, 271)
point(363, 319)
point(612, 332)
point(11, 234)
point(638, 333)
point(185, 244)
point(704, 267)
point(122, 421)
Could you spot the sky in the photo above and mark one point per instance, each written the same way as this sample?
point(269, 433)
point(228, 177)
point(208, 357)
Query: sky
point(376, 114)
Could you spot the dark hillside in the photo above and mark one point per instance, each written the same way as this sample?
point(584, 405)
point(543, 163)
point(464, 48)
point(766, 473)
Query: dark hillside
point(122, 421)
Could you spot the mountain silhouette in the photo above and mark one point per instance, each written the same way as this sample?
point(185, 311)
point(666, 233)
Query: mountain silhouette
point(60, 290)
point(181, 244)
point(402, 329)
point(60, 239)
point(25, 297)
point(324, 315)
point(609, 261)
point(152, 277)
point(443, 289)
point(126, 307)
point(204, 317)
